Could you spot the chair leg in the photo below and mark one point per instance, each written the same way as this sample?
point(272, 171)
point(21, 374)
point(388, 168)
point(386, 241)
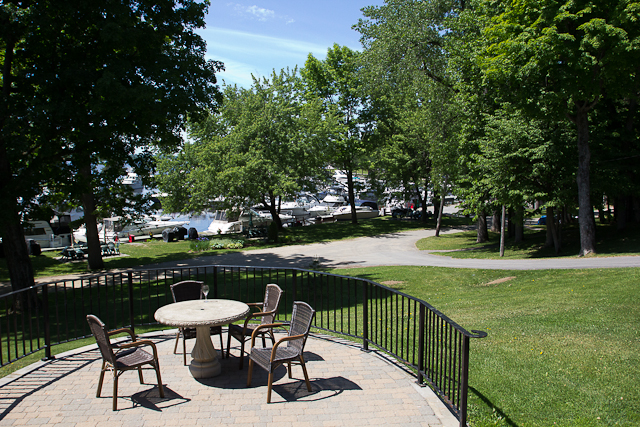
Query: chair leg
point(101, 380)
point(115, 390)
point(264, 342)
point(304, 371)
point(228, 340)
point(184, 350)
point(157, 367)
point(140, 375)
point(242, 352)
point(250, 372)
point(289, 369)
point(269, 387)
point(175, 347)
point(221, 346)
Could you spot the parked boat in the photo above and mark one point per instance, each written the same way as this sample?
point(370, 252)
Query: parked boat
point(301, 207)
point(118, 226)
point(42, 233)
point(362, 212)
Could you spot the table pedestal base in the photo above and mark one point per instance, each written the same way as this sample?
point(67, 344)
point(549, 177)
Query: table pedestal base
point(205, 362)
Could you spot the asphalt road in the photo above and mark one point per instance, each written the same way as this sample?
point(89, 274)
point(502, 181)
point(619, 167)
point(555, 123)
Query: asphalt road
point(389, 249)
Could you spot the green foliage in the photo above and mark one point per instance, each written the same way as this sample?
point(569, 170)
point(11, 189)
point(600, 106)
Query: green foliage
point(88, 90)
point(200, 244)
point(266, 143)
point(338, 82)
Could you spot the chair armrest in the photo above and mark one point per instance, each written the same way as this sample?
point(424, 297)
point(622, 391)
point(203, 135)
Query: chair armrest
point(282, 340)
point(265, 326)
point(254, 315)
point(255, 304)
point(121, 330)
point(140, 344)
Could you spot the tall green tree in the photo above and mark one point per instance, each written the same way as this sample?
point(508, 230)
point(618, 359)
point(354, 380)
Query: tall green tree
point(337, 81)
point(406, 56)
point(266, 144)
point(566, 57)
point(89, 87)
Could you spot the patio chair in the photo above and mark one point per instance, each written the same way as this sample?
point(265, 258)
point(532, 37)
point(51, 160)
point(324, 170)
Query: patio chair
point(126, 358)
point(243, 333)
point(188, 290)
point(291, 352)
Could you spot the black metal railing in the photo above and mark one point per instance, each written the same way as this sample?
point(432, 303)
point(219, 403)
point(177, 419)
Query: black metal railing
point(409, 329)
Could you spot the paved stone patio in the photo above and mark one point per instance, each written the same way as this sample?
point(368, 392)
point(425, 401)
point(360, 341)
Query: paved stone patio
point(349, 387)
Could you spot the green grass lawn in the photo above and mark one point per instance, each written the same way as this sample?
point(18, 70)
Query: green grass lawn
point(609, 242)
point(563, 346)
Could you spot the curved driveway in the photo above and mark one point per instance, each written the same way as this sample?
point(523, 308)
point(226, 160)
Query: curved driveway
point(390, 249)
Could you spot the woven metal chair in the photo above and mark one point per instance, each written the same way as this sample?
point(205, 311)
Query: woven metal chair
point(126, 358)
point(188, 290)
point(291, 352)
point(267, 315)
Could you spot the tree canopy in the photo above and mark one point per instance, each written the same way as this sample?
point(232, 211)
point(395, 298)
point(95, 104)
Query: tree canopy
point(266, 144)
point(88, 89)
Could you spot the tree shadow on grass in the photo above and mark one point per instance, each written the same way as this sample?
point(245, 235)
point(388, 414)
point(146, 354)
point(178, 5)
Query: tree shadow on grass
point(498, 411)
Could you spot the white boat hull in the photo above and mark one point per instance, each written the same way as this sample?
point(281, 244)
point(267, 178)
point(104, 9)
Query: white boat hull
point(364, 212)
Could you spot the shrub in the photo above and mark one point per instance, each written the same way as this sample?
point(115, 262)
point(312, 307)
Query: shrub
point(200, 244)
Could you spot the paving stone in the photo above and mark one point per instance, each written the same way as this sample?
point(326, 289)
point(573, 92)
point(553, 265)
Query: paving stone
point(349, 387)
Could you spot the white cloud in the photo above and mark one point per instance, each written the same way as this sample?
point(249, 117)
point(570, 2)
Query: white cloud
point(244, 54)
point(260, 13)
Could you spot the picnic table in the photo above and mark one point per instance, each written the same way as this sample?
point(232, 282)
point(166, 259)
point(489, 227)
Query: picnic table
point(73, 252)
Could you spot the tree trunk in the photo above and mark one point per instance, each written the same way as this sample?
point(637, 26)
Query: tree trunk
point(483, 233)
point(440, 210)
point(436, 202)
point(511, 223)
point(519, 224)
point(585, 215)
point(503, 230)
point(602, 215)
point(553, 231)
point(352, 198)
point(495, 221)
point(274, 210)
point(13, 242)
point(423, 202)
point(635, 208)
point(16, 253)
point(94, 256)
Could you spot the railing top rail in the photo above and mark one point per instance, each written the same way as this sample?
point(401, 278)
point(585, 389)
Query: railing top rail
point(19, 291)
point(470, 334)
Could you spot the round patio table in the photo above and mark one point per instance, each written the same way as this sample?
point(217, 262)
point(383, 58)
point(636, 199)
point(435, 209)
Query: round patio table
point(202, 314)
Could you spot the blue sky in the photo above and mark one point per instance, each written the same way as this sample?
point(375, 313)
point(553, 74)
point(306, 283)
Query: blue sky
point(256, 37)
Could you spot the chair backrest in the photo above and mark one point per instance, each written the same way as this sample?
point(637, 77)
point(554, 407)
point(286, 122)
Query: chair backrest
point(272, 295)
point(186, 290)
point(301, 319)
point(99, 331)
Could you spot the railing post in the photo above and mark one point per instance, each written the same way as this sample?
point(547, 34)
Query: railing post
point(131, 315)
point(365, 316)
point(47, 329)
point(464, 381)
point(421, 320)
point(295, 285)
point(215, 282)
